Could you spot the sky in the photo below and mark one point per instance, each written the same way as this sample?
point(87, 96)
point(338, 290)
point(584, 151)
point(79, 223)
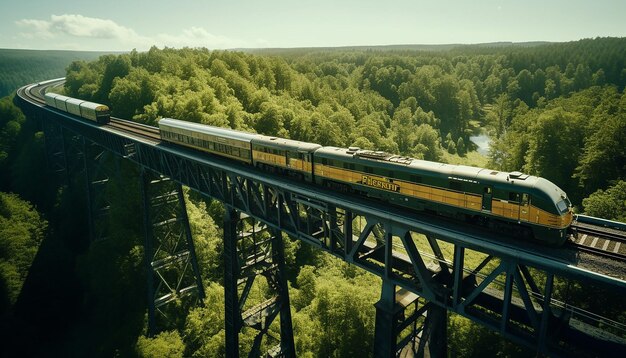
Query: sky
point(123, 25)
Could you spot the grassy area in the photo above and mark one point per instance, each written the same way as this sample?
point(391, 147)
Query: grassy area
point(473, 159)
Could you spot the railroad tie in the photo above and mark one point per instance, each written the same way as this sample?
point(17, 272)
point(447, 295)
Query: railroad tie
point(582, 239)
point(616, 248)
point(606, 244)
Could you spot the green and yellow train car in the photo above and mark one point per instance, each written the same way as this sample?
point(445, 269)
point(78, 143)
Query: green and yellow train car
point(284, 155)
point(533, 204)
point(221, 141)
point(474, 193)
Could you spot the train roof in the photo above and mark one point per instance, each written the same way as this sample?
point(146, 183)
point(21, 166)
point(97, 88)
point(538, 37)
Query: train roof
point(85, 104)
point(57, 96)
point(283, 143)
point(95, 106)
point(206, 129)
point(452, 172)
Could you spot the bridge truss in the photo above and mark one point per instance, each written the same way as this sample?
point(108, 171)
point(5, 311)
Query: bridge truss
point(428, 265)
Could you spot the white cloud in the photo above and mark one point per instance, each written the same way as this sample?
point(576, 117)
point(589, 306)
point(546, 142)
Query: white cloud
point(38, 28)
point(81, 26)
point(77, 26)
point(70, 26)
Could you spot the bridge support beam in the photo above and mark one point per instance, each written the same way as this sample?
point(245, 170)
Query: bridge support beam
point(99, 169)
point(171, 265)
point(55, 150)
point(408, 326)
point(252, 250)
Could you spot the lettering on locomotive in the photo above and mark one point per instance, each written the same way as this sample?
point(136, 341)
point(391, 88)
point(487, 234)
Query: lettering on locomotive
point(380, 183)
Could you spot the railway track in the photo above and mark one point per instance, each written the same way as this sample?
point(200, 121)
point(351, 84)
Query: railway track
point(592, 235)
point(136, 128)
point(36, 94)
point(598, 239)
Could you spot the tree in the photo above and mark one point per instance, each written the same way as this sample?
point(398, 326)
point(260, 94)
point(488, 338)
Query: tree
point(115, 67)
point(428, 144)
point(21, 231)
point(555, 145)
point(460, 147)
point(604, 156)
point(403, 130)
point(609, 204)
point(165, 344)
point(269, 120)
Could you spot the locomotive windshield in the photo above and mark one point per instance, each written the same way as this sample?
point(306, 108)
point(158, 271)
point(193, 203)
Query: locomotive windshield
point(563, 205)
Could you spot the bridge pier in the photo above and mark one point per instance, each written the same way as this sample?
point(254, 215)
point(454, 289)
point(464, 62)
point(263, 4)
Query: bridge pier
point(407, 326)
point(252, 250)
point(55, 150)
point(169, 248)
point(98, 173)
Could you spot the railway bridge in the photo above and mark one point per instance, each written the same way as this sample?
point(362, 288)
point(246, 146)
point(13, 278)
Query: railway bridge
point(421, 259)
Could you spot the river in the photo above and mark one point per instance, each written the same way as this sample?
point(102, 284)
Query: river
point(482, 141)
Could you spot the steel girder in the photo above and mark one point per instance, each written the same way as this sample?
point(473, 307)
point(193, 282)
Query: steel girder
point(252, 250)
point(98, 172)
point(171, 266)
point(404, 249)
point(55, 150)
point(510, 290)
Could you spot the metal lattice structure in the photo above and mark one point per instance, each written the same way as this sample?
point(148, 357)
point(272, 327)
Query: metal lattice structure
point(252, 251)
point(510, 289)
point(171, 264)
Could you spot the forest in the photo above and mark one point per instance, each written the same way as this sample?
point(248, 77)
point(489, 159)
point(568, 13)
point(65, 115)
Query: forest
point(556, 110)
point(19, 67)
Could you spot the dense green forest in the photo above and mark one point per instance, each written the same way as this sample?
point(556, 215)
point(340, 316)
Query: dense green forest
point(555, 110)
point(20, 67)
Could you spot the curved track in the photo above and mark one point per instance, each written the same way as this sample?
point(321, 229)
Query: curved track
point(35, 93)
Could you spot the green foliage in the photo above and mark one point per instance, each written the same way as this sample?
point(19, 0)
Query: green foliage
point(165, 344)
point(554, 110)
point(11, 122)
point(555, 145)
point(207, 239)
point(21, 67)
point(468, 339)
point(334, 310)
point(577, 142)
point(604, 155)
point(21, 231)
point(204, 327)
point(609, 204)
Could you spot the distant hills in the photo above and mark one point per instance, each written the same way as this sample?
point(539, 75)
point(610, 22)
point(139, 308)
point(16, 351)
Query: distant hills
point(433, 48)
point(20, 67)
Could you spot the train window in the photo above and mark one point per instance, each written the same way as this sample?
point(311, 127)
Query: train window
point(455, 185)
point(525, 199)
point(369, 170)
point(324, 161)
point(514, 197)
point(416, 179)
point(351, 166)
point(391, 174)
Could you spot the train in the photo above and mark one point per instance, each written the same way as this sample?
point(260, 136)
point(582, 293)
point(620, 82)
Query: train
point(524, 205)
point(507, 201)
point(94, 112)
